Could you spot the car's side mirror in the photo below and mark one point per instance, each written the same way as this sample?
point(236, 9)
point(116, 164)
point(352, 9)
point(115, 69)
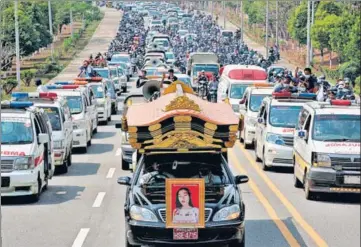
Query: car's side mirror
point(242, 101)
point(119, 93)
point(241, 179)
point(124, 181)
point(43, 138)
point(118, 125)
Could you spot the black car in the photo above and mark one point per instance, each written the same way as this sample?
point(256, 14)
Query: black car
point(145, 207)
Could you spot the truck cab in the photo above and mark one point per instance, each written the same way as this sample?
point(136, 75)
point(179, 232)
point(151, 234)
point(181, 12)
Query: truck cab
point(326, 152)
point(27, 161)
point(276, 122)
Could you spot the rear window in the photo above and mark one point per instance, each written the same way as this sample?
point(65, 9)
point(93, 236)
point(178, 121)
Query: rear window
point(54, 116)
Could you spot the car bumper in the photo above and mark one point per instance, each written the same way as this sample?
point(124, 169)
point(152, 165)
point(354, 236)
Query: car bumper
point(79, 138)
point(277, 155)
point(102, 115)
point(127, 153)
point(21, 183)
point(59, 156)
point(249, 134)
point(331, 181)
point(149, 234)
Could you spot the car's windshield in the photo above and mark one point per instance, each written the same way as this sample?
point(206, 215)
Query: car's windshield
point(162, 42)
point(54, 116)
point(237, 91)
point(186, 80)
point(98, 91)
point(122, 59)
point(75, 104)
point(169, 55)
point(337, 128)
point(120, 71)
point(156, 22)
point(284, 116)
point(206, 68)
point(182, 32)
point(103, 73)
point(255, 101)
point(16, 131)
point(227, 34)
point(210, 168)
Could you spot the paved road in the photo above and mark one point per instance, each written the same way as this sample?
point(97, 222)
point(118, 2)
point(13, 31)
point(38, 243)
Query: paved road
point(100, 41)
point(85, 206)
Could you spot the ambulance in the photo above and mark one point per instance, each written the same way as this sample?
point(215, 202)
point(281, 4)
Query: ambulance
point(248, 111)
point(27, 161)
point(235, 80)
point(59, 114)
point(81, 118)
point(103, 100)
point(276, 122)
point(326, 153)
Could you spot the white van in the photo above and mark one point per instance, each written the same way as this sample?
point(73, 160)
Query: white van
point(248, 111)
point(104, 103)
point(26, 150)
point(82, 122)
point(235, 80)
point(276, 122)
point(326, 153)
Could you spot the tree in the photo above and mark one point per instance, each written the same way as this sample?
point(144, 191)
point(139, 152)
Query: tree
point(297, 24)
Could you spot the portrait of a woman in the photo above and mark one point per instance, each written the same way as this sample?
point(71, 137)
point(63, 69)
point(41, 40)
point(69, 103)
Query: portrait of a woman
point(185, 212)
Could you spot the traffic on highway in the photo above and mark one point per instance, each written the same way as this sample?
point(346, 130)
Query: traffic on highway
point(175, 132)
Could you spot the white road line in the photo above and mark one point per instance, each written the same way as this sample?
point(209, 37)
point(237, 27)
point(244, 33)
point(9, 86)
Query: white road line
point(118, 152)
point(79, 240)
point(110, 172)
point(98, 200)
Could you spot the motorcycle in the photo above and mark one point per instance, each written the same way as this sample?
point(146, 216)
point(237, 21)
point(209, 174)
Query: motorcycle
point(202, 89)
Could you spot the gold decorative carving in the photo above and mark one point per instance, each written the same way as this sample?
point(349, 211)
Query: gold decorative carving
point(182, 103)
point(124, 124)
point(132, 129)
point(210, 126)
point(172, 88)
point(136, 145)
point(154, 127)
point(182, 119)
point(233, 128)
point(229, 144)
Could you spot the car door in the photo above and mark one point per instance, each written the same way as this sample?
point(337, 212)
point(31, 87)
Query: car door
point(263, 128)
point(259, 129)
point(299, 143)
point(306, 149)
point(68, 130)
point(108, 100)
point(87, 115)
point(92, 107)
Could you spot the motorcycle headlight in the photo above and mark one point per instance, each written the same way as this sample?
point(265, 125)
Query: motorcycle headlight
point(23, 163)
point(59, 144)
point(275, 139)
point(251, 121)
point(227, 213)
point(142, 214)
point(235, 108)
point(321, 160)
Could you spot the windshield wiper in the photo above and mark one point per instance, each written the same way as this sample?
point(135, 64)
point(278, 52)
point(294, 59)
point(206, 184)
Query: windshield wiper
point(340, 140)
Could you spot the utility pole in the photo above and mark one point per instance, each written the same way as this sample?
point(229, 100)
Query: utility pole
point(224, 14)
point(277, 24)
point(212, 8)
point(242, 21)
point(71, 22)
point(51, 31)
point(308, 59)
point(17, 44)
point(312, 21)
point(1, 220)
point(267, 23)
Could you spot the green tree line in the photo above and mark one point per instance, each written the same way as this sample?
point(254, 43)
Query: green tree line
point(33, 19)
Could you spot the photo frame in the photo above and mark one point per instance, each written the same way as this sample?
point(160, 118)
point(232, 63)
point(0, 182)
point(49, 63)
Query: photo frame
point(185, 203)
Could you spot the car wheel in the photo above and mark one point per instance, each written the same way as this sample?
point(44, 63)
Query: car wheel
point(309, 195)
point(296, 182)
point(64, 167)
point(84, 149)
point(114, 111)
point(238, 243)
point(109, 118)
point(36, 197)
point(125, 165)
point(264, 167)
point(124, 90)
point(95, 130)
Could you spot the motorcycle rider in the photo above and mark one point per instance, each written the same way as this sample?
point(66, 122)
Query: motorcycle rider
point(202, 76)
point(86, 70)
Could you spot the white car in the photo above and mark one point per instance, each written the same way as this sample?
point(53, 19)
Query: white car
point(102, 97)
point(26, 150)
point(78, 105)
point(327, 148)
point(276, 122)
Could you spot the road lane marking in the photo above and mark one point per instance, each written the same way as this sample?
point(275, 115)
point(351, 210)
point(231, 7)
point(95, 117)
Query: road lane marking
point(80, 238)
point(293, 211)
point(98, 200)
point(266, 204)
point(110, 173)
point(118, 152)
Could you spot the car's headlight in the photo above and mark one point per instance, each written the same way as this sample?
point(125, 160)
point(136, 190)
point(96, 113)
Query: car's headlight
point(275, 139)
point(59, 144)
point(142, 214)
point(251, 121)
point(235, 108)
point(321, 160)
point(227, 213)
point(24, 163)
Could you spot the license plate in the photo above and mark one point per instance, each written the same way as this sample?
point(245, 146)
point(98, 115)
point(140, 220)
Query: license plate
point(352, 179)
point(76, 143)
point(185, 233)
